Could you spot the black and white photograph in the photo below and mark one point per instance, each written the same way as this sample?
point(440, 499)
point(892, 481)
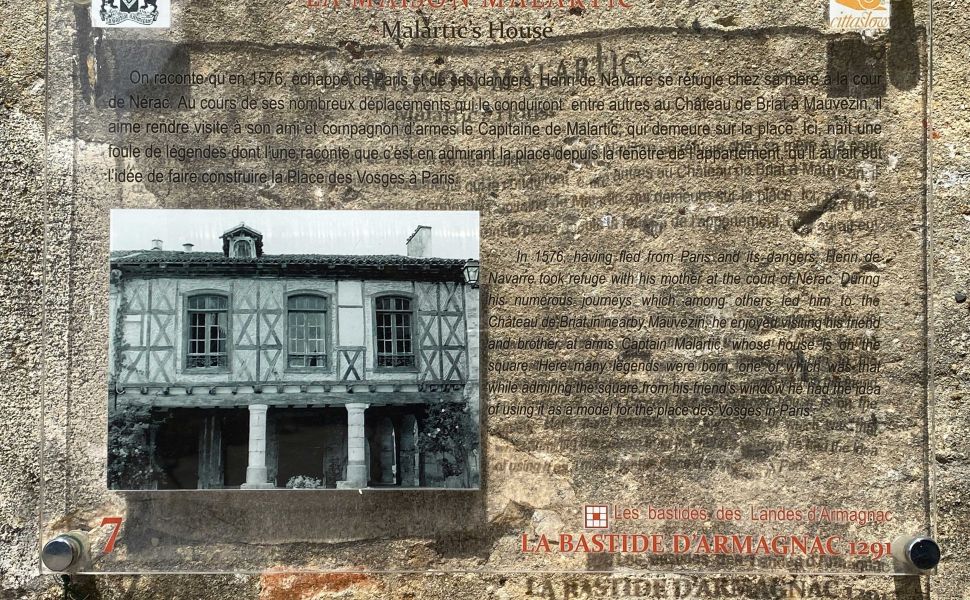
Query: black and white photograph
point(284, 349)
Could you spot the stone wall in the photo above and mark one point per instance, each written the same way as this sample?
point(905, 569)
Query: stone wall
point(22, 85)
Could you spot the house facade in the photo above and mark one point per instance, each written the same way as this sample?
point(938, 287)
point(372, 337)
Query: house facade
point(263, 370)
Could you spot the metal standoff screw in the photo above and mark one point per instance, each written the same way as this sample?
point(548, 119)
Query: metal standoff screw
point(917, 552)
point(62, 552)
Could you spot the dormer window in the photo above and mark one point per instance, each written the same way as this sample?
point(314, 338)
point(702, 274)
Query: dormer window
point(242, 249)
point(242, 242)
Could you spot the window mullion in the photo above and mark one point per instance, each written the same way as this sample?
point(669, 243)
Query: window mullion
point(207, 351)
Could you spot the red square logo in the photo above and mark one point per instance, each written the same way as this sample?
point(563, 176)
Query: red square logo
point(596, 516)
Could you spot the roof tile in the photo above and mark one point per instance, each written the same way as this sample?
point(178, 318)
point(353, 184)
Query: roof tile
point(133, 257)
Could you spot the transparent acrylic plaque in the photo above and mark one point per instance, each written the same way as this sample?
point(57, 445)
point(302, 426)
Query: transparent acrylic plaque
point(696, 343)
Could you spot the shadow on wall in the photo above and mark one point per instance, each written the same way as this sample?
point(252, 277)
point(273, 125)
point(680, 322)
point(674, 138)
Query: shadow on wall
point(896, 60)
point(903, 58)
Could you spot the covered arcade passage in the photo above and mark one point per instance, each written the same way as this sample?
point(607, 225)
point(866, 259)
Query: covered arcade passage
point(342, 446)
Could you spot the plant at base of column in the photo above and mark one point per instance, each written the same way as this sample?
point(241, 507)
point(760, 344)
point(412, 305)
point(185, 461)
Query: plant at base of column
point(446, 431)
point(302, 482)
point(131, 448)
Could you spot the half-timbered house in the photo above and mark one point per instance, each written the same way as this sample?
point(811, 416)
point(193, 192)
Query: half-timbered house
point(261, 370)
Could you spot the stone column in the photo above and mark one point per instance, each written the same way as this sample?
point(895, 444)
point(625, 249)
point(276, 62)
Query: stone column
point(256, 471)
point(356, 444)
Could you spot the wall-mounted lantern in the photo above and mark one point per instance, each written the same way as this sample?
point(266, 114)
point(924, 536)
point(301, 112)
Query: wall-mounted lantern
point(471, 270)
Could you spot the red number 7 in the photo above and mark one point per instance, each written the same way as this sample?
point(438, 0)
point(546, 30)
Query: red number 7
point(116, 521)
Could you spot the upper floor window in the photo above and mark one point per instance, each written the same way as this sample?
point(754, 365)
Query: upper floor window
point(394, 332)
point(307, 331)
point(208, 318)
